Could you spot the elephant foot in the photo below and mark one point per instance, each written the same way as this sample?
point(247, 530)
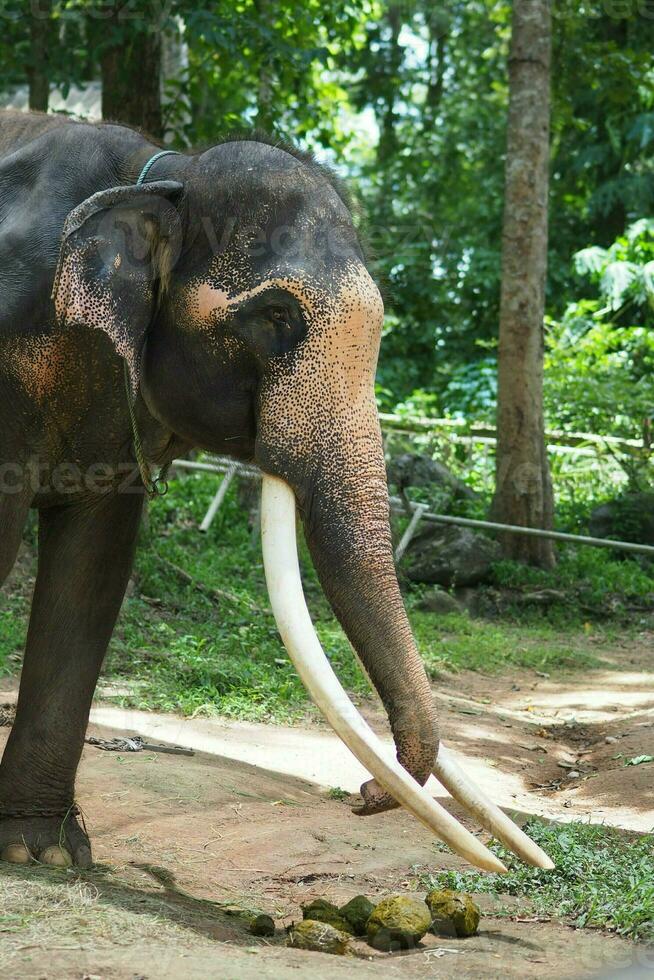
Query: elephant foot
point(56, 841)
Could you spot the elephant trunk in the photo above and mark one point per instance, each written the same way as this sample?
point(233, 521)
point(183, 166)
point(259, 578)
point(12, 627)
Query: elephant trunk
point(319, 443)
point(350, 543)
point(294, 622)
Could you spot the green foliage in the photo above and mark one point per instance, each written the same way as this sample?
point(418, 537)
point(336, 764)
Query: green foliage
point(192, 651)
point(461, 643)
point(409, 99)
point(183, 651)
point(211, 645)
point(266, 63)
point(603, 878)
point(13, 629)
point(599, 571)
point(592, 581)
point(433, 191)
point(599, 365)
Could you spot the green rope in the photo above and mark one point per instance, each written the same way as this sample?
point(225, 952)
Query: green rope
point(148, 165)
point(155, 486)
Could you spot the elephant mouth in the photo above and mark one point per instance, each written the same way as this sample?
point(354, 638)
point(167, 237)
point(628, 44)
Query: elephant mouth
point(389, 777)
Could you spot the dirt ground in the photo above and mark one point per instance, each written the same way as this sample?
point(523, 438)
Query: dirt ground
point(174, 835)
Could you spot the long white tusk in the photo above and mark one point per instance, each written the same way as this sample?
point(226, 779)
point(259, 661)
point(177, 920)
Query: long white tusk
point(294, 623)
point(455, 781)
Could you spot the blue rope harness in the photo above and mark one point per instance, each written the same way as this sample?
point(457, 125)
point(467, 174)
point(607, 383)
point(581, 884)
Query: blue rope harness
point(153, 159)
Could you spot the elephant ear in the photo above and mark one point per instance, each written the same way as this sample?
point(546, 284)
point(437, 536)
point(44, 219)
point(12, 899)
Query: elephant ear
point(117, 252)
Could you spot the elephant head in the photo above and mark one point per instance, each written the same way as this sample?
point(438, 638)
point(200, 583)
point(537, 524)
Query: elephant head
point(251, 326)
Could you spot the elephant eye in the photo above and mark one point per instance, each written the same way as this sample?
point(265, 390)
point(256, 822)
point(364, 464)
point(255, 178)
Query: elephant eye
point(280, 316)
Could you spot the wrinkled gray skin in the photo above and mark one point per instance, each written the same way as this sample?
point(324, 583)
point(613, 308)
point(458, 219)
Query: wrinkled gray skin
point(233, 288)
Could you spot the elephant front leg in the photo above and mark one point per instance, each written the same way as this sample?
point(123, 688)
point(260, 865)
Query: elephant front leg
point(85, 556)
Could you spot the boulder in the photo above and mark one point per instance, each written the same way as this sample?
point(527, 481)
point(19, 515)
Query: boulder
point(412, 470)
point(437, 601)
point(627, 518)
point(262, 925)
point(449, 555)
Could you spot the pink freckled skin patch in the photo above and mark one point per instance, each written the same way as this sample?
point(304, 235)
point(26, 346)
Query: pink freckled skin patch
point(206, 304)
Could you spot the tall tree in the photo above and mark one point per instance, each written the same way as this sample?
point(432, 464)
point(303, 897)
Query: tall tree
point(130, 59)
point(38, 71)
point(523, 485)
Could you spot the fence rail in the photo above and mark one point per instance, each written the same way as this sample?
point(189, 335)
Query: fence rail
point(223, 465)
point(572, 441)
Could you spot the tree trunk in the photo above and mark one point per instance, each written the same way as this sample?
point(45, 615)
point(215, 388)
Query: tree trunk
point(523, 484)
point(131, 73)
point(387, 145)
point(264, 118)
point(39, 76)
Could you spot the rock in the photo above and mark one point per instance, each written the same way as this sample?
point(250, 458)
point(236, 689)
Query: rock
point(415, 470)
point(449, 555)
point(453, 913)
point(610, 739)
point(357, 912)
point(262, 925)
point(573, 774)
point(320, 910)
point(629, 517)
point(437, 601)
point(318, 936)
point(398, 922)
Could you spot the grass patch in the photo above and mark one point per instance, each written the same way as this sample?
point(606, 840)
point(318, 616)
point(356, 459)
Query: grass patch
point(196, 650)
point(593, 580)
point(195, 633)
point(14, 612)
point(458, 642)
point(603, 879)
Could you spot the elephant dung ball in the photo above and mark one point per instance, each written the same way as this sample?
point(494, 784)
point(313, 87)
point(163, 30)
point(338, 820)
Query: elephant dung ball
point(398, 922)
point(453, 913)
point(319, 937)
point(357, 912)
point(262, 925)
point(320, 910)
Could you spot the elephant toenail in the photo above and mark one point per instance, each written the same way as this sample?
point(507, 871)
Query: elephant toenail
point(16, 854)
point(83, 858)
point(56, 856)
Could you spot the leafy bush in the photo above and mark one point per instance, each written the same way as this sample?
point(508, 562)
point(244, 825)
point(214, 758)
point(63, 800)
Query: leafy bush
point(599, 365)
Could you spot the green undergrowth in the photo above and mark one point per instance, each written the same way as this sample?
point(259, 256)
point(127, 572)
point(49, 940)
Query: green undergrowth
point(191, 651)
point(196, 634)
point(603, 878)
point(589, 582)
point(458, 642)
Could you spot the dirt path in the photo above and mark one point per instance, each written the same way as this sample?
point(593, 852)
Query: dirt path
point(231, 832)
point(241, 825)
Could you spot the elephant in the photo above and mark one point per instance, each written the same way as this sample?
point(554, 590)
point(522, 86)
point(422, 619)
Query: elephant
point(152, 302)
